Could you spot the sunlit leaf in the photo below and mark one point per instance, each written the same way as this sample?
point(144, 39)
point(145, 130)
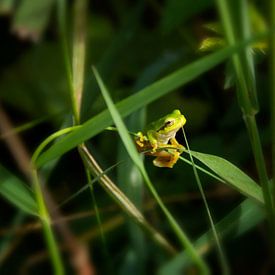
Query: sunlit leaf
point(233, 176)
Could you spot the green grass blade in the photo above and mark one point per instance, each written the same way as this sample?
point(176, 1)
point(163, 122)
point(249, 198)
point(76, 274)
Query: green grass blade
point(241, 219)
point(131, 183)
point(55, 256)
point(221, 255)
point(79, 51)
point(123, 132)
point(142, 98)
point(16, 192)
point(131, 149)
point(232, 175)
point(49, 139)
point(203, 170)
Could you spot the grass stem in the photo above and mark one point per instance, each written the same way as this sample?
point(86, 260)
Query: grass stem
point(46, 223)
point(248, 110)
point(272, 90)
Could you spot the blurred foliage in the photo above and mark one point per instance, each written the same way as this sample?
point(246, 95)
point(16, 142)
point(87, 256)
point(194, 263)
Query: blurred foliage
point(132, 45)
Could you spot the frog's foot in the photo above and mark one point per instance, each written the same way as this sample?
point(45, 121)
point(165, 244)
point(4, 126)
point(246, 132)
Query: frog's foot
point(140, 140)
point(168, 160)
point(139, 143)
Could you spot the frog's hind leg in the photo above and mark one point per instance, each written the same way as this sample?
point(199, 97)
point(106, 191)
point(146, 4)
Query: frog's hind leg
point(166, 160)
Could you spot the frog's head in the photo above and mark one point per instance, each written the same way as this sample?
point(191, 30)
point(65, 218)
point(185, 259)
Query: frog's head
point(172, 122)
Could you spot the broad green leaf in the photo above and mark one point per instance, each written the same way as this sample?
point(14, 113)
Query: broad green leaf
point(16, 192)
point(132, 103)
point(244, 217)
point(232, 175)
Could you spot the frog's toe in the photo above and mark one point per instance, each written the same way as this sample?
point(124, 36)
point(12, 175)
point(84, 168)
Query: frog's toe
point(181, 148)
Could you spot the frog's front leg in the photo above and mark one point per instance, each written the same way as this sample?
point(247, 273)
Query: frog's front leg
point(177, 145)
point(151, 135)
point(140, 139)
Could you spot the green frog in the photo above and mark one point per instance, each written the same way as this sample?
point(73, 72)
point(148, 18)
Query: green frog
point(159, 139)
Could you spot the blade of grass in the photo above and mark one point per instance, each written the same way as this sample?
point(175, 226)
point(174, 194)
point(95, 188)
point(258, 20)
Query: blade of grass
point(75, 75)
point(222, 258)
point(61, 16)
point(131, 183)
point(140, 99)
point(49, 139)
point(47, 229)
point(232, 175)
point(203, 170)
point(79, 41)
point(129, 145)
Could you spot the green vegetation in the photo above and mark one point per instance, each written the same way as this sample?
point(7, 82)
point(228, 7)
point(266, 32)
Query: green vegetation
point(77, 198)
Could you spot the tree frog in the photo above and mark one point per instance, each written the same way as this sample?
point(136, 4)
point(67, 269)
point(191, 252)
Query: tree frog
point(160, 139)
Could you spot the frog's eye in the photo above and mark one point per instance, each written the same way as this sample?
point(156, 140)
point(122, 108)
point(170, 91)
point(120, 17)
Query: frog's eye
point(169, 123)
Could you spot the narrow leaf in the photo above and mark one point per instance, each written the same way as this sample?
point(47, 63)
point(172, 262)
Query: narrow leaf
point(233, 176)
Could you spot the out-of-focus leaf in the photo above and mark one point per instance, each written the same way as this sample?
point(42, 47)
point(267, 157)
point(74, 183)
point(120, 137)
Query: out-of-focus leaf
point(36, 85)
point(16, 192)
point(31, 18)
point(6, 6)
